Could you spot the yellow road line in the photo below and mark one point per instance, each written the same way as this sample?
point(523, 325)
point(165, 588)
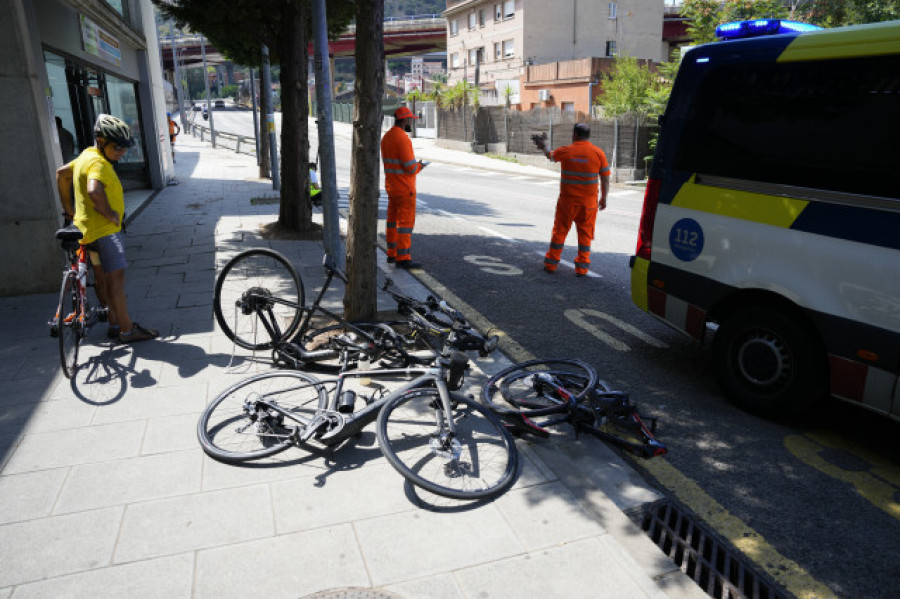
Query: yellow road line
point(784, 571)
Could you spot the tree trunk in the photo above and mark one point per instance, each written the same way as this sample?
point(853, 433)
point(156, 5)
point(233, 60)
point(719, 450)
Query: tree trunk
point(263, 132)
point(295, 211)
point(360, 301)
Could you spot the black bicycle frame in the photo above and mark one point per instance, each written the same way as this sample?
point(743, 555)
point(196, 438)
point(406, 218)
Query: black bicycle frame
point(351, 424)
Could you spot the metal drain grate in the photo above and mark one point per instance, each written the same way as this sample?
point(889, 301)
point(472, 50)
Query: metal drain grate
point(719, 570)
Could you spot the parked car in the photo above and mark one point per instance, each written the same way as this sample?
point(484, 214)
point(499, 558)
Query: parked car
point(220, 103)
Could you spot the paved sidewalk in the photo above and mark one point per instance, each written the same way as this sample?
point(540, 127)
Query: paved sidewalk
point(106, 492)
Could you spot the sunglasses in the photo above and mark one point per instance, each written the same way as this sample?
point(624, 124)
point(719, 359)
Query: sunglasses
point(119, 148)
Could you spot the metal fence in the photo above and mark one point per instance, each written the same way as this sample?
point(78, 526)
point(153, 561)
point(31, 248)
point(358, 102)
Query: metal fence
point(625, 139)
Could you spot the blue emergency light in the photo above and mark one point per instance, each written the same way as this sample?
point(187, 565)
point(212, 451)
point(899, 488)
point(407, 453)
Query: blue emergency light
point(757, 27)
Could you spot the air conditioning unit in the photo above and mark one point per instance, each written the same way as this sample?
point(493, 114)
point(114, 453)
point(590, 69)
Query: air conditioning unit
point(543, 95)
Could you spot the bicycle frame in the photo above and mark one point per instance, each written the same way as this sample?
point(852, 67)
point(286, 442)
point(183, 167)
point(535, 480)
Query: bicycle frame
point(574, 411)
point(345, 426)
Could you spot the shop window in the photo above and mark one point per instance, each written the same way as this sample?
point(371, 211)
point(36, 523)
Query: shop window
point(122, 97)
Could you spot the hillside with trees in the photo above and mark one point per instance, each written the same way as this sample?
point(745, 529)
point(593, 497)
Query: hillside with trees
point(409, 8)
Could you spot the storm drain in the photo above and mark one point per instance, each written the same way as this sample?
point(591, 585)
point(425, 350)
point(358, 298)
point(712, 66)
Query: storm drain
point(719, 570)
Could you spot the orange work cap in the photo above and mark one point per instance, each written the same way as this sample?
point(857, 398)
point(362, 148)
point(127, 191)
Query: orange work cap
point(404, 113)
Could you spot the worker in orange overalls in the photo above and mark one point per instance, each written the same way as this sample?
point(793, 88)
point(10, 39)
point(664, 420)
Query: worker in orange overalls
point(174, 131)
point(584, 170)
point(400, 170)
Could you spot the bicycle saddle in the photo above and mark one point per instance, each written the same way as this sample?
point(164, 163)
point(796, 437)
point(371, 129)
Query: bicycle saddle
point(68, 237)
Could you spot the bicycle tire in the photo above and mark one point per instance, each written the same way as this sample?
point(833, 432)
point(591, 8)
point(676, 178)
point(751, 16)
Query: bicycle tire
point(231, 431)
point(70, 324)
point(515, 389)
point(253, 281)
point(480, 462)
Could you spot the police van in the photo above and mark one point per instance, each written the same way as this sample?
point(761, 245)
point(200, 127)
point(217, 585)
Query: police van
point(771, 217)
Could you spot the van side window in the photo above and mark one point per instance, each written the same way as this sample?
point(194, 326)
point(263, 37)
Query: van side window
point(829, 124)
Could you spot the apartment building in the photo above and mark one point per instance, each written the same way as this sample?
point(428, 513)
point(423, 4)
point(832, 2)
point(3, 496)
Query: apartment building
point(491, 43)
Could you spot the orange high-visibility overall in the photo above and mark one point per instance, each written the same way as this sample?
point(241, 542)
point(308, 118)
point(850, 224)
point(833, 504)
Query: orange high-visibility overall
point(400, 170)
point(582, 164)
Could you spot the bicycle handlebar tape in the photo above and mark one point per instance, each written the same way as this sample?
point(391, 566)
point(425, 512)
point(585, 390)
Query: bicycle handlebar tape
point(458, 363)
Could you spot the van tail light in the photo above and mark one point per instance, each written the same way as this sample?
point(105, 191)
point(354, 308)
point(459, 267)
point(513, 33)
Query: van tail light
point(648, 216)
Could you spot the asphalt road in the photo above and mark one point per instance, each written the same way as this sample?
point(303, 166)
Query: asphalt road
point(814, 501)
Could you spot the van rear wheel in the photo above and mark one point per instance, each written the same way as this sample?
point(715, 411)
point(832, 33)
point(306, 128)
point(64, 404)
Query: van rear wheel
point(768, 363)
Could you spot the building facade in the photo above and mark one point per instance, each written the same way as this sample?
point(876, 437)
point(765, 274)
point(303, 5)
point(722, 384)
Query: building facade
point(71, 59)
point(490, 43)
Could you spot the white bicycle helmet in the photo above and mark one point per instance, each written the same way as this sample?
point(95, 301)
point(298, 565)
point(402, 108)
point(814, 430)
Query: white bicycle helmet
point(113, 129)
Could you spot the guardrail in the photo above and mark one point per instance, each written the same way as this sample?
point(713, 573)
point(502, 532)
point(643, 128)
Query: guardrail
point(245, 142)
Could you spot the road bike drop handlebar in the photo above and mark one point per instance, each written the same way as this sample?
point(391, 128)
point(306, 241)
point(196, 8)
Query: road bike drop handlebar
point(433, 317)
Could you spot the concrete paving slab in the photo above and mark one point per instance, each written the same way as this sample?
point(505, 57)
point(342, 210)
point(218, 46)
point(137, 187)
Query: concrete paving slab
point(56, 546)
point(29, 495)
point(440, 586)
point(164, 578)
point(583, 569)
point(41, 451)
point(170, 433)
point(411, 544)
point(192, 522)
point(546, 515)
point(132, 480)
point(286, 566)
point(155, 402)
point(339, 497)
point(45, 417)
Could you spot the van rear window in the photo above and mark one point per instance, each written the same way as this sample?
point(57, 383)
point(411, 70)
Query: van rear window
point(832, 125)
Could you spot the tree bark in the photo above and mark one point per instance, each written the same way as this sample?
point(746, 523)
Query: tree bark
point(360, 299)
point(295, 211)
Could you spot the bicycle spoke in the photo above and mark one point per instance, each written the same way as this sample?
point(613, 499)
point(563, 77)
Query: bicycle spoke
point(476, 460)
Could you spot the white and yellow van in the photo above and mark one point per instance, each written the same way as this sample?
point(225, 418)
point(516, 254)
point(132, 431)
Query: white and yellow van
point(772, 215)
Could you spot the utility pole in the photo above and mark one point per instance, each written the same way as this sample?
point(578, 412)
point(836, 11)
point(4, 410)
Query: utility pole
point(209, 111)
point(255, 116)
point(331, 235)
point(179, 88)
point(270, 119)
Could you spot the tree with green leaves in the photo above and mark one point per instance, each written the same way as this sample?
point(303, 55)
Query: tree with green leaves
point(627, 87)
point(239, 29)
point(838, 13)
point(706, 15)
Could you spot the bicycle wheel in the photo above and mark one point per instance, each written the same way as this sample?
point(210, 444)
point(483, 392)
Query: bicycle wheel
point(70, 324)
point(532, 387)
point(258, 299)
point(476, 461)
point(240, 424)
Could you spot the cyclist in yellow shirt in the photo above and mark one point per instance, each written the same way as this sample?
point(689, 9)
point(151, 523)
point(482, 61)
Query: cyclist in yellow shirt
point(99, 205)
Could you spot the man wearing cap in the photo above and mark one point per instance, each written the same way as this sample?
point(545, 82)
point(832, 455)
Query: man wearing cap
point(400, 170)
point(584, 169)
